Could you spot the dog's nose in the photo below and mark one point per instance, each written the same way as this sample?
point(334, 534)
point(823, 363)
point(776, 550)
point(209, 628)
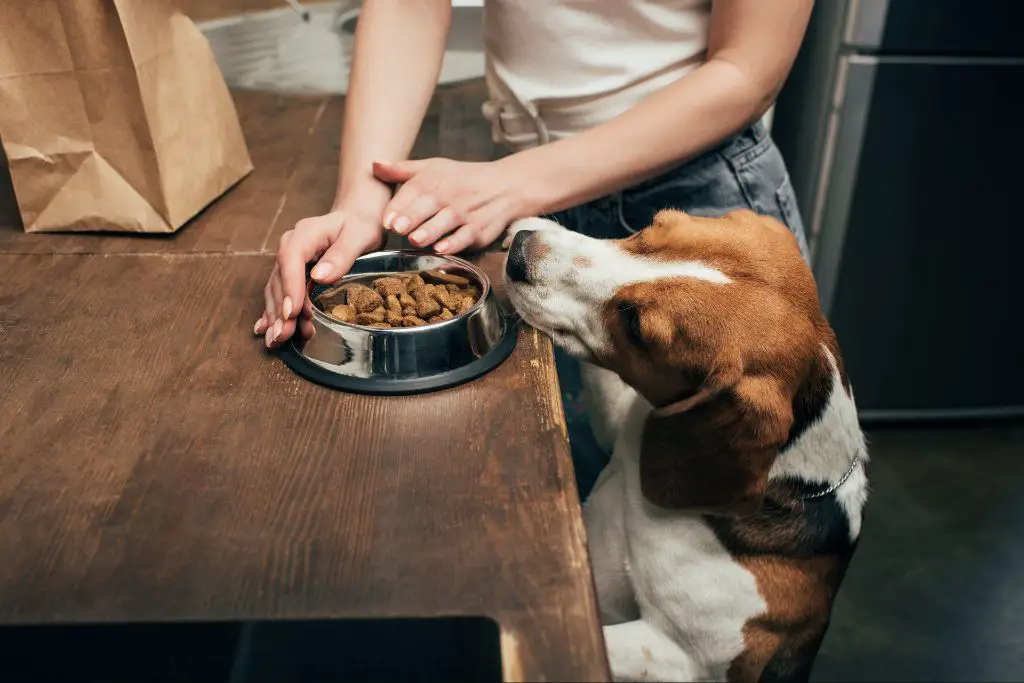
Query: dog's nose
point(515, 262)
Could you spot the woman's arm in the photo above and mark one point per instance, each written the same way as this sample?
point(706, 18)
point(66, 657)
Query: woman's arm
point(751, 48)
point(398, 53)
point(399, 48)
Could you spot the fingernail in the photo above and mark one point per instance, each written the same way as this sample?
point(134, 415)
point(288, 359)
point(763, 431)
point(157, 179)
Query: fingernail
point(259, 328)
point(417, 236)
point(401, 225)
point(387, 220)
point(321, 270)
point(278, 326)
point(268, 338)
point(442, 245)
point(287, 307)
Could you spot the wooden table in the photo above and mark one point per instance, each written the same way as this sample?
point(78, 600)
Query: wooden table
point(159, 466)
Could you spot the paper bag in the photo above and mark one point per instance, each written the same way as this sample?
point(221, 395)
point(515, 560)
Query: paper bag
point(113, 115)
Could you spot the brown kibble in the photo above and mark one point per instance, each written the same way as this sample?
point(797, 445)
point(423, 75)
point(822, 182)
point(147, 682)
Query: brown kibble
point(401, 300)
point(387, 286)
point(335, 296)
point(447, 278)
point(364, 299)
point(376, 316)
point(443, 297)
point(414, 282)
point(344, 313)
point(427, 307)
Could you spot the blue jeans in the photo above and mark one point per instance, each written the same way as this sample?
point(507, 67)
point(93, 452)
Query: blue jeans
point(746, 171)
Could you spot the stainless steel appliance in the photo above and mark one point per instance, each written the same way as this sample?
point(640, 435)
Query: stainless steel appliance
point(901, 124)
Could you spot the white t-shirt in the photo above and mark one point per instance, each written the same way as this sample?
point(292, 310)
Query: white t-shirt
point(555, 67)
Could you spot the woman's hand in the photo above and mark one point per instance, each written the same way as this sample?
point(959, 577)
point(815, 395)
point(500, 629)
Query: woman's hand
point(455, 205)
point(336, 240)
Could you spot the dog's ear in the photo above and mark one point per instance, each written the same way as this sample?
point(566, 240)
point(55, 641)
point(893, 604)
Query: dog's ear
point(711, 453)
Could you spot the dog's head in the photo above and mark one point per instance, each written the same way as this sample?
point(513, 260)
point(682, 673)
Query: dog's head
point(715, 321)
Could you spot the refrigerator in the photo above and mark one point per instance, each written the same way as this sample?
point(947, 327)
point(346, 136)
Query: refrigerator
point(901, 124)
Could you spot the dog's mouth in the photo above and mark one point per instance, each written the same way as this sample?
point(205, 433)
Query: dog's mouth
point(561, 335)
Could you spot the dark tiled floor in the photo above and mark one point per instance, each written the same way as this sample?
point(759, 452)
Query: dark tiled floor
point(936, 589)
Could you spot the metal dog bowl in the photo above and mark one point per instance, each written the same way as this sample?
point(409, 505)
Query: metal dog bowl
point(406, 360)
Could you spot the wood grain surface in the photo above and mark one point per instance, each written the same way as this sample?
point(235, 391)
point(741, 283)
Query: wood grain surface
point(159, 465)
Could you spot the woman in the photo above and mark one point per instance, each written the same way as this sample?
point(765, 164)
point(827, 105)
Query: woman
point(612, 110)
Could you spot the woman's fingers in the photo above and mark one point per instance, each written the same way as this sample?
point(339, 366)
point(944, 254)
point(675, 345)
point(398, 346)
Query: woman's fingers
point(279, 332)
point(462, 238)
point(442, 223)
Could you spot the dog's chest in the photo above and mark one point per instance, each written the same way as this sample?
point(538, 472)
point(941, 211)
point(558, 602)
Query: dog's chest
point(678, 567)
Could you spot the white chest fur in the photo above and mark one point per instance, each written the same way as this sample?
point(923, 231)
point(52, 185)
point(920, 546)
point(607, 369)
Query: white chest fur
point(679, 576)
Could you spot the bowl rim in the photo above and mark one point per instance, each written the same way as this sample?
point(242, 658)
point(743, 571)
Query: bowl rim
point(475, 270)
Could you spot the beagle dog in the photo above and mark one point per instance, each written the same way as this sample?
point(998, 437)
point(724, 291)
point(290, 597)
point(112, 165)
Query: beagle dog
point(722, 527)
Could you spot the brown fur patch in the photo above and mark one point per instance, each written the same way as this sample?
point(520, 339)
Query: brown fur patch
point(536, 250)
point(798, 593)
point(582, 262)
point(746, 347)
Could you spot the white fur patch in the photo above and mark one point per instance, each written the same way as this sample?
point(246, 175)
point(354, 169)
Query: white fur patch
point(825, 451)
point(578, 275)
point(693, 597)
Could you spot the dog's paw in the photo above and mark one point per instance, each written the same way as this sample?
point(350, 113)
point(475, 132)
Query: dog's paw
point(532, 223)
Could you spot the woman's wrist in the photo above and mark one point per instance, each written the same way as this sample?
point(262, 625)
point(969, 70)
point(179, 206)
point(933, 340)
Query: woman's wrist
point(529, 181)
point(364, 193)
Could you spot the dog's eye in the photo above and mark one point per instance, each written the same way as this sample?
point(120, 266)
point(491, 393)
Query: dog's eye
point(631, 324)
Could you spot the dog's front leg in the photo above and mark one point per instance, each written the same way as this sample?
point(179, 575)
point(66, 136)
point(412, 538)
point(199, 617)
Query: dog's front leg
point(638, 651)
point(607, 400)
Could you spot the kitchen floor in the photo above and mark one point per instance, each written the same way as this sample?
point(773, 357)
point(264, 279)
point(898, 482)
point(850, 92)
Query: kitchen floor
point(936, 589)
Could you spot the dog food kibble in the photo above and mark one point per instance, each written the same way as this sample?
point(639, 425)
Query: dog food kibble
point(344, 313)
point(364, 299)
point(413, 282)
point(387, 286)
point(376, 316)
point(401, 300)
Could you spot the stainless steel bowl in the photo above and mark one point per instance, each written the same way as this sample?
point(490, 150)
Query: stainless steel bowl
point(363, 359)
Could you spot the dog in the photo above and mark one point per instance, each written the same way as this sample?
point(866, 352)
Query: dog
point(724, 523)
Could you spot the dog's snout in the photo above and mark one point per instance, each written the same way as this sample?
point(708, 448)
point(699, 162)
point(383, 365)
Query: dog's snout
point(515, 262)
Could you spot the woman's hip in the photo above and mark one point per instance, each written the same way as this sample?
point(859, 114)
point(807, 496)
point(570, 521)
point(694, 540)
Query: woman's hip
point(745, 172)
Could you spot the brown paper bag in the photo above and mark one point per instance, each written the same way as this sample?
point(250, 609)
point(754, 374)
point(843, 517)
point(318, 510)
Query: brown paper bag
point(114, 115)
